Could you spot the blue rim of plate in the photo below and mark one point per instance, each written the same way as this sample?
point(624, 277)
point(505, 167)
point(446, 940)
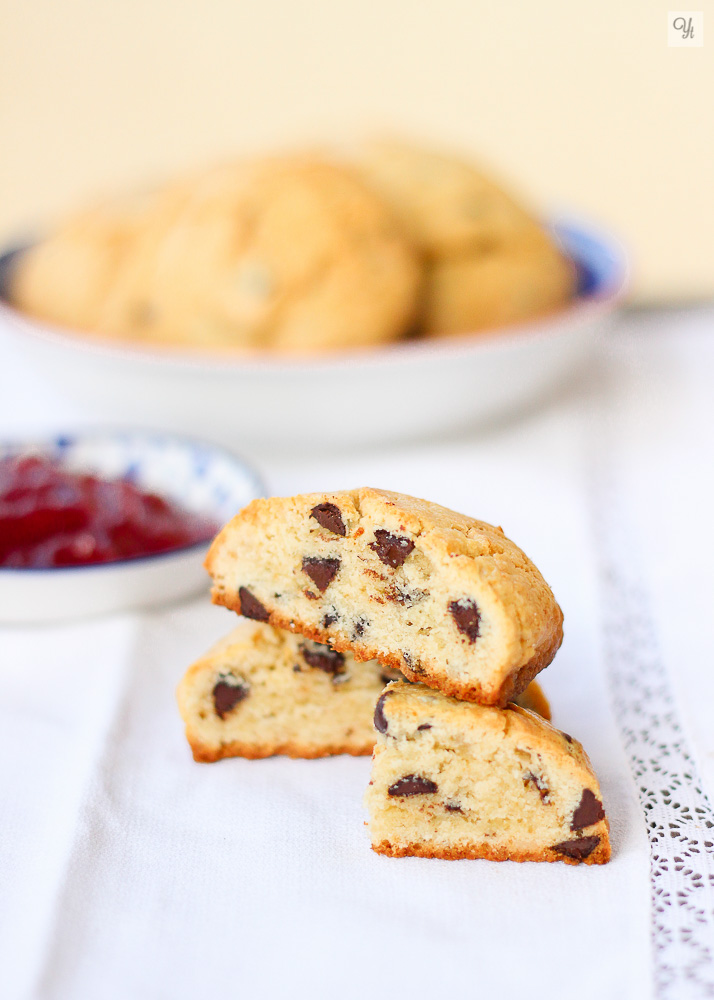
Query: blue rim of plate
point(61, 442)
point(603, 271)
point(600, 261)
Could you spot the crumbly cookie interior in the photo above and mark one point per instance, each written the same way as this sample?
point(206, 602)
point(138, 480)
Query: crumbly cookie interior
point(449, 783)
point(263, 692)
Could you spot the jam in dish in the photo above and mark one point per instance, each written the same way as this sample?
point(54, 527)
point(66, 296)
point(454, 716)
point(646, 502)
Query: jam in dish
point(51, 516)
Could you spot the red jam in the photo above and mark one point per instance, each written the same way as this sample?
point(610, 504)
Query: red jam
point(50, 516)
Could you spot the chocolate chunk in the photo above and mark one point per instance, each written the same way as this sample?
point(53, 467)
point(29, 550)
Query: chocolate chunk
point(453, 807)
point(424, 725)
point(568, 738)
point(321, 571)
point(358, 628)
point(538, 782)
point(228, 692)
point(391, 549)
point(380, 721)
point(577, 849)
point(330, 618)
point(329, 516)
point(250, 607)
point(323, 657)
point(407, 598)
point(413, 784)
point(412, 663)
point(467, 617)
point(588, 812)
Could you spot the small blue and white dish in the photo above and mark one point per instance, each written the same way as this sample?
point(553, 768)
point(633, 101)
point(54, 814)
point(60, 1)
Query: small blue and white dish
point(198, 477)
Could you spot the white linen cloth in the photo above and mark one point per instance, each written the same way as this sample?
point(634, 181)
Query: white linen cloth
point(129, 871)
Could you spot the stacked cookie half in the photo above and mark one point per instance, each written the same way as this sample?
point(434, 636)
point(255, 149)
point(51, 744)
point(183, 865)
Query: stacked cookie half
point(374, 582)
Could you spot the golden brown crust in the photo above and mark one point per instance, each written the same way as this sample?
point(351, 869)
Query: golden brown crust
point(514, 685)
point(472, 852)
point(408, 701)
point(203, 754)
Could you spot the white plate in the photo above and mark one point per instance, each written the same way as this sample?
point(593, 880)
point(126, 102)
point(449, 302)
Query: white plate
point(199, 477)
point(408, 390)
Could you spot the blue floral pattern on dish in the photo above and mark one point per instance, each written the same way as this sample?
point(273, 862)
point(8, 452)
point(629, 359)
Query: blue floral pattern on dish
point(198, 476)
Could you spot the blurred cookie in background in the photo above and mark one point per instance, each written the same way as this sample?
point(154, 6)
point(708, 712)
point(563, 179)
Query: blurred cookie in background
point(522, 279)
point(446, 205)
point(300, 254)
point(67, 276)
point(288, 254)
point(488, 262)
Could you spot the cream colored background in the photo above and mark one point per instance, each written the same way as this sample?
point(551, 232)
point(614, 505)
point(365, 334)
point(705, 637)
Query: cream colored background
point(583, 105)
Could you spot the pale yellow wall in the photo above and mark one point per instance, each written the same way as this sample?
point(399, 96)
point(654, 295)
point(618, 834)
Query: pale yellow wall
point(582, 104)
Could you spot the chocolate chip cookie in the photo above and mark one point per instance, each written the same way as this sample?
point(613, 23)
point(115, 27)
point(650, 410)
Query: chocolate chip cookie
point(527, 278)
point(488, 261)
point(264, 691)
point(291, 254)
point(67, 277)
point(457, 780)
point(444, 598)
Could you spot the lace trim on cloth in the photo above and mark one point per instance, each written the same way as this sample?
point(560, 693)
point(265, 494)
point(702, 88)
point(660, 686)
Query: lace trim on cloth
point(680, 820)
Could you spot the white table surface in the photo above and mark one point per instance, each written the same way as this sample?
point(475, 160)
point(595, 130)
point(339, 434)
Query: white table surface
point(126, 870)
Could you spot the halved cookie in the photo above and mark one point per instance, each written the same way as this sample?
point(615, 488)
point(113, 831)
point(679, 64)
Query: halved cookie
point(457, 780)
point(444, 598)
point(263, 691)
